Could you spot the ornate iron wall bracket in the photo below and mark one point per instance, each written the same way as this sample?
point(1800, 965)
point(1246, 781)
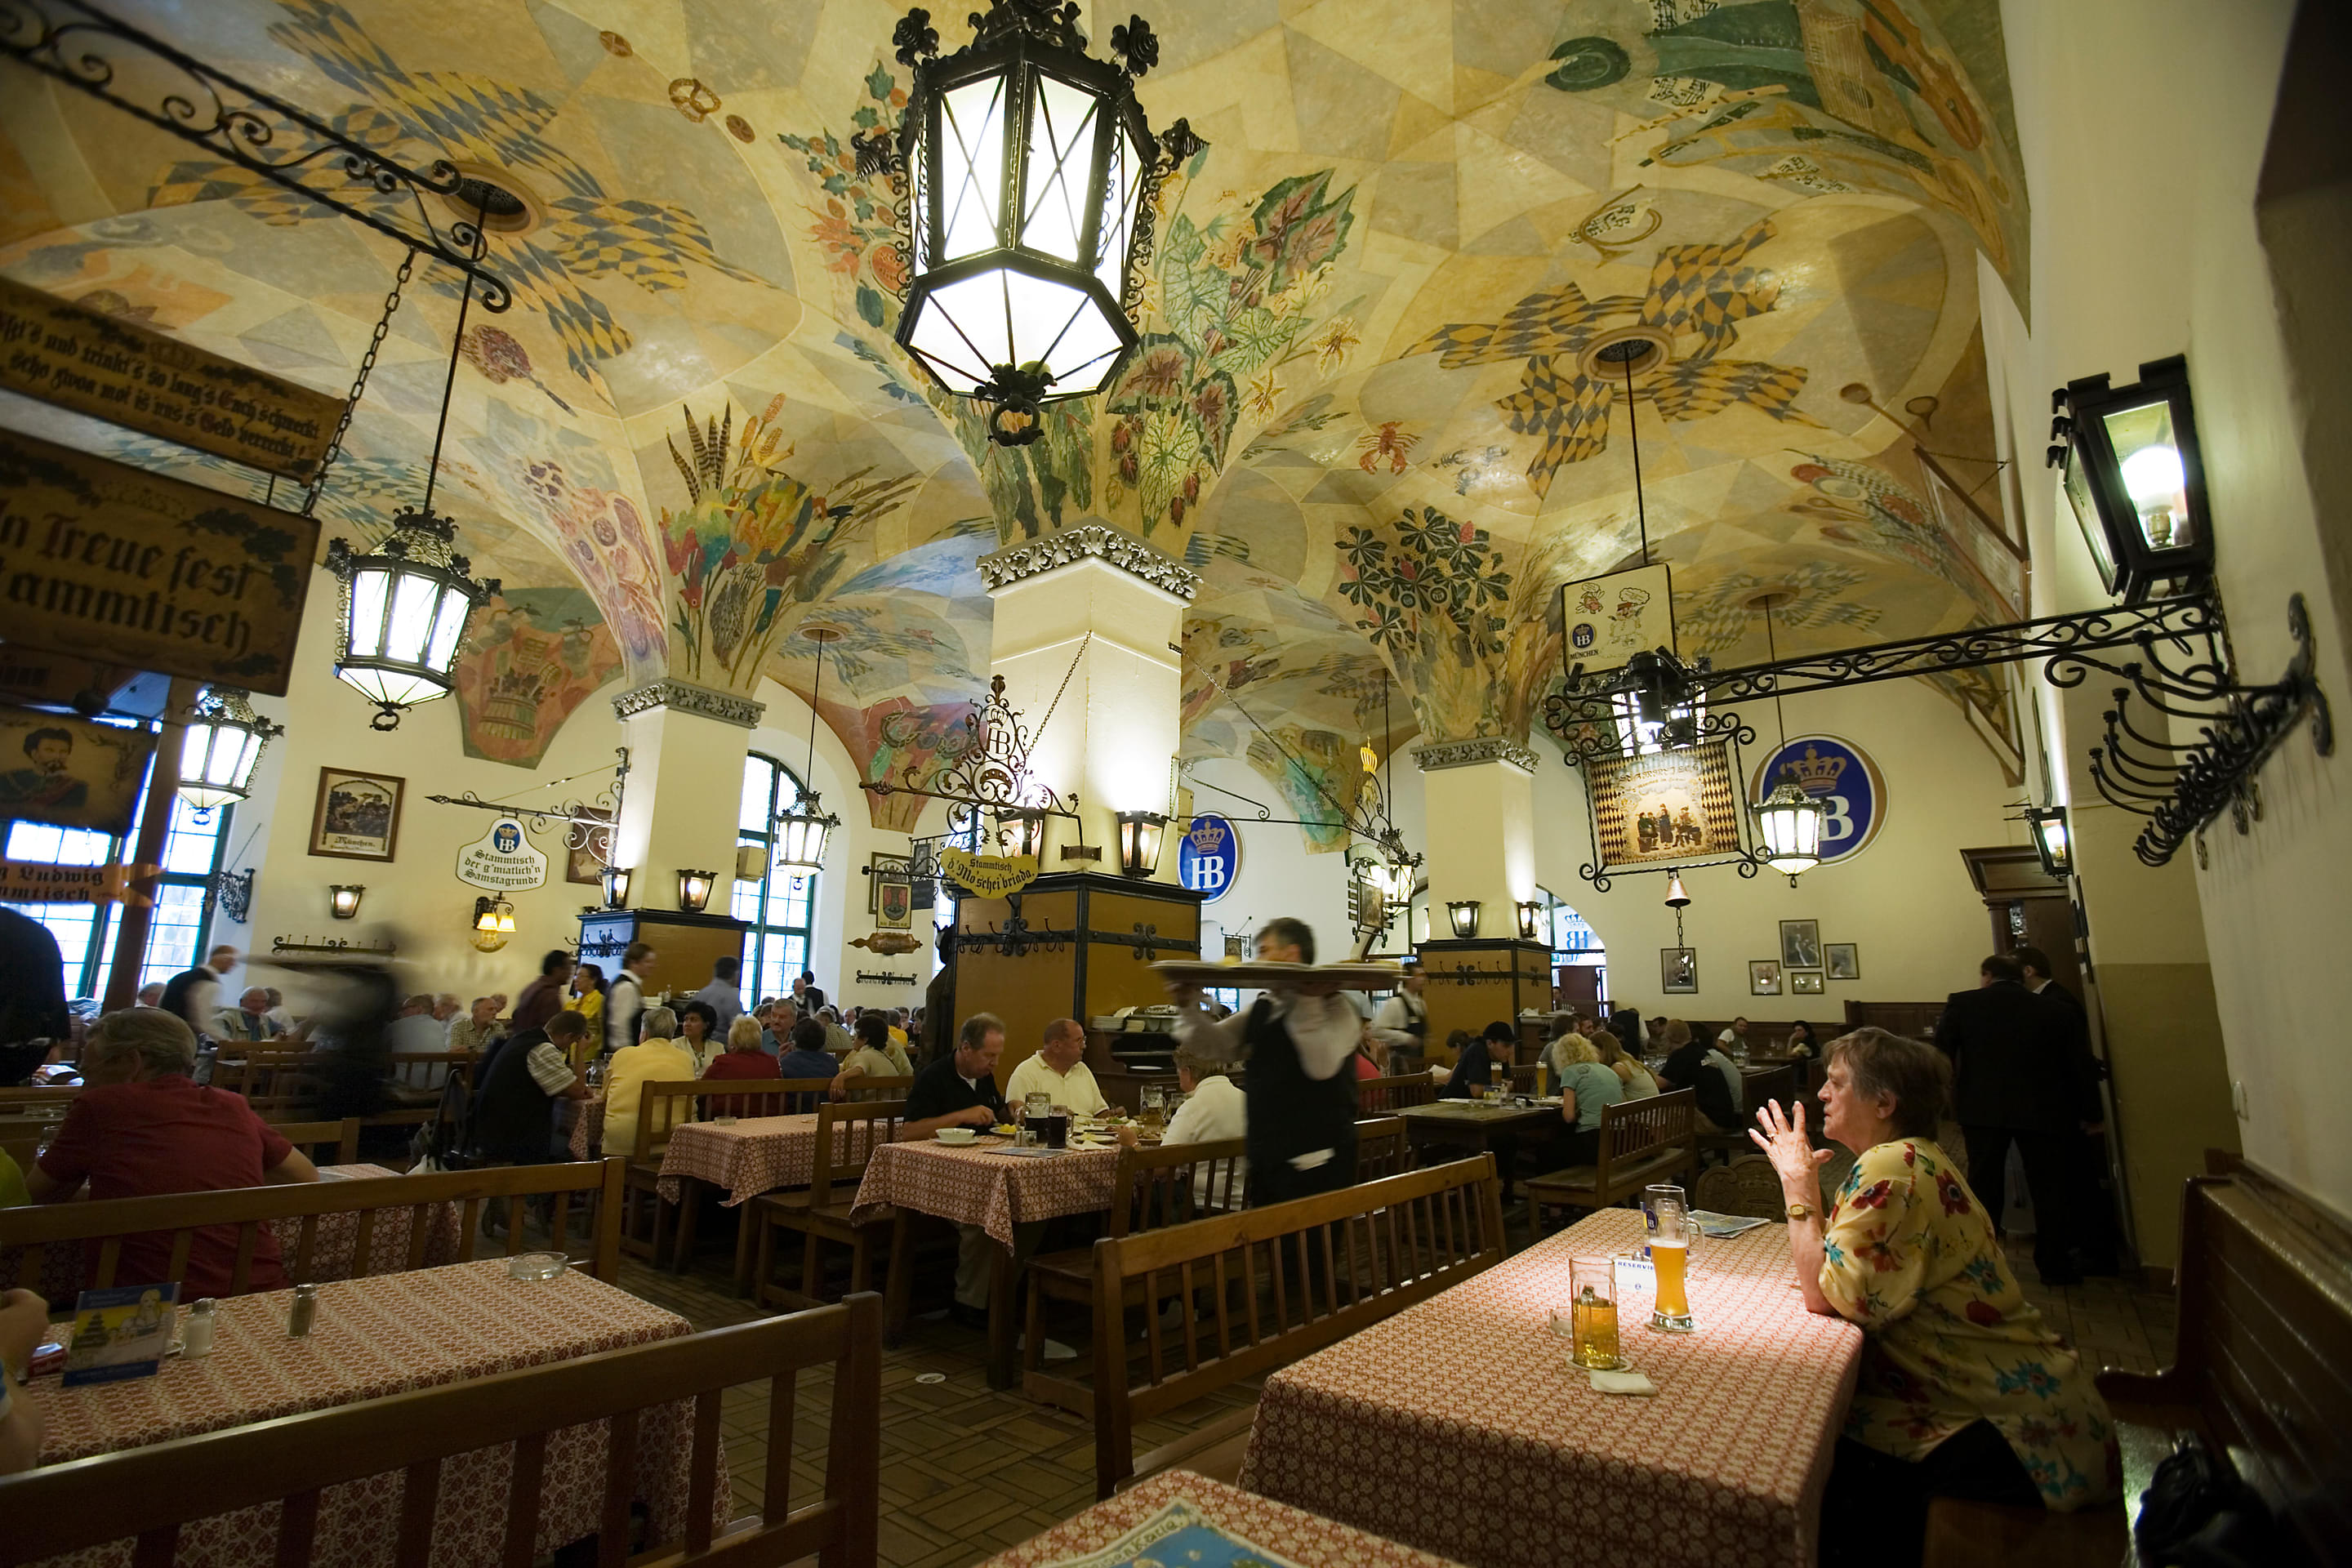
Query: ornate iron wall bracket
point(584, 822)
point(73, 43)
point(232, 892)
point(875, 977)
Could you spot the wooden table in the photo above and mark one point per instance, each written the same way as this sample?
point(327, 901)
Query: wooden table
point(1459, 1426)
point(743, 1158)
point(1178, 1499)
point(379, 1336)
point(1477, 1126)
point(1010, 1196)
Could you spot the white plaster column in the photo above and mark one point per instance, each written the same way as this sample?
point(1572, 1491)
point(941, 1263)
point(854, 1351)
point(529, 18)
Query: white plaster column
point(1479, 811)
point(1087, 624)
point(685, 792)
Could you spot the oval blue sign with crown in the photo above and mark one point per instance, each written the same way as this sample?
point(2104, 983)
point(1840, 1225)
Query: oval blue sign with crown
point(1210, 857)
point(1842, 776)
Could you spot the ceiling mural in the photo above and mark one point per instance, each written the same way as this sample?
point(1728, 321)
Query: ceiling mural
point(1375, 403)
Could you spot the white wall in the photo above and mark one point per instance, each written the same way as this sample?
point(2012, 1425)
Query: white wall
point(2144, 124)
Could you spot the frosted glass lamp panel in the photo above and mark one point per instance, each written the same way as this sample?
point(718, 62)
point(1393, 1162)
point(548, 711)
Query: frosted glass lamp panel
point(370, 589)
point(413, 601)
point(1120, 193)
point(448, 628)
point(971, 166)
point(1058, 169)
point(937, 338)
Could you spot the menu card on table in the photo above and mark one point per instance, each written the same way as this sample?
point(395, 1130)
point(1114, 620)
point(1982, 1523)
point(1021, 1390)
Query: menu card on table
point(120, 1333)
point(1179, 1533)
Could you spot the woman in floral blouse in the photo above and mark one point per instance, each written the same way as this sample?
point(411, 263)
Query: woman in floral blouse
point(1964, 1392)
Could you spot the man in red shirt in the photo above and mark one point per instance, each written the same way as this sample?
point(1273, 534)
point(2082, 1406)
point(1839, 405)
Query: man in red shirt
point(142, 1127)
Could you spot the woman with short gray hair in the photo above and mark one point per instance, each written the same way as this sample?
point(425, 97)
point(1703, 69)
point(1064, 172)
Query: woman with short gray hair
point(1964, 1391)
point(142, 1127)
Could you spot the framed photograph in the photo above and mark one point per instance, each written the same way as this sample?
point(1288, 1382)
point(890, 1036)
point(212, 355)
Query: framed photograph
point(1679, 969)
point(358, 814)
point(1804, 983)
point(1763, 977)
point(1845, 961)
point(1800, 944)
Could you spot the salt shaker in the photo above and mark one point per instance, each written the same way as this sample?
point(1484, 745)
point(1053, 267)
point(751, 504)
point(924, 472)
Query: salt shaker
point(196, 1334)
point(303, 1313)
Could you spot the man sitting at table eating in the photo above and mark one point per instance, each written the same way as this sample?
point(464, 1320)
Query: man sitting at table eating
point(1059, 1071)
point(960, 1090)
point(1302, 1098)
point(143, 1127)
point(1964, 1391)
point(1478, 1060)
point(877, 1056)
point(655, 1059)
point(1690, 1064)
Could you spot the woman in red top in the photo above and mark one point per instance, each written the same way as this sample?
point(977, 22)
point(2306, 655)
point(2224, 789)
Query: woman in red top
point(143, 1127)
point(742, 1059)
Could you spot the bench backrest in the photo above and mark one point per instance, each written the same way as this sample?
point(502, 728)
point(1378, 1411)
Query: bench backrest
point(846, 1136)
point(1634, 1133)
point(382, 1199)
point(662, 1105)
point(1383, 1148)
point(148, 1493)
point(1177, 1183)
point(35, 1103)
point(878, 1087)
point(422, 1070)
point(1270, 1281)
point(2263, 1365)
point(258, 1071)
point(313, 1137)
point(761, 1095)
point(1381, 1095)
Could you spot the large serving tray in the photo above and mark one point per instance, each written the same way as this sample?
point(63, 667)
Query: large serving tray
point(1257, 975)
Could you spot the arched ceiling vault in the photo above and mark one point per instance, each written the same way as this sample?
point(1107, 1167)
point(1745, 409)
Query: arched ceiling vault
point(1365, 406)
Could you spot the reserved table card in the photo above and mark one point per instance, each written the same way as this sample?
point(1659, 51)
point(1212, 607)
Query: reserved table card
point(1179, 1533)
point(120, 1333)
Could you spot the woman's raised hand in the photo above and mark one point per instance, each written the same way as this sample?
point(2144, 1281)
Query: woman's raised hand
point(1784, 1143)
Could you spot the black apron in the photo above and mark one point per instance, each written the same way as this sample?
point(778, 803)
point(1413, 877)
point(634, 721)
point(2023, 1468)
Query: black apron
point(1291, 1114)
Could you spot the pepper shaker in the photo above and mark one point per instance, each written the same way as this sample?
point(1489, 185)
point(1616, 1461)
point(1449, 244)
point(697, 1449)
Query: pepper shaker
point(303, 1313)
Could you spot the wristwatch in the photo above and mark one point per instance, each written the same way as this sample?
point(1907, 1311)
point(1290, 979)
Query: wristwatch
point(1800, 1210)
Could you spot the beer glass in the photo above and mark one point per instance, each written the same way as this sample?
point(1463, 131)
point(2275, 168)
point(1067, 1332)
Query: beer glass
point(1593, 1313)
point(1154, 1114)
point(1670, 1235)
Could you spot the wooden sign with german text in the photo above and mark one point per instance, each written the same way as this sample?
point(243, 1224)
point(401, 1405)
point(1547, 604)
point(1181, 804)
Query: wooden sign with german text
point(39, 677)
point(108, 562)
point(37, 882)
point(134, 376)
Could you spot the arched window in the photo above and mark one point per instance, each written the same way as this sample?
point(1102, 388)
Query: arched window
point(779, 905)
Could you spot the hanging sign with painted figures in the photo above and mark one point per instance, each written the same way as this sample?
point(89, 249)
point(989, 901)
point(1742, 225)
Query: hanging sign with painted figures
point(1209, 858)
point(134, 376)
point(1670, 807)
point(502, 860)
point(1605, 621)
point(1841, 775)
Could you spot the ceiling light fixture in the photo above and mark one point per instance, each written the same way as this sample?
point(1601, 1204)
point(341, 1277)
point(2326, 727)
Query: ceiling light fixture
point(1787, 819)
point(1029, 175)
point(801, 832)
point(225, 740)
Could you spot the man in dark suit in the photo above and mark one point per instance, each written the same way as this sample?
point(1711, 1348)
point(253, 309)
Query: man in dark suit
point(2022, 1073)
point(2101, 1238)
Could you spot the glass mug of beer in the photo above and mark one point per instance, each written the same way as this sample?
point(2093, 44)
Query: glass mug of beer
point(1592, 1314)
point(1670, 1239)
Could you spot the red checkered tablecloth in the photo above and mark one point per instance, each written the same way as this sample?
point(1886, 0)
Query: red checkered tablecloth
point(757, 1154)
point(979, 1184)
point(1285, 1534)
point(377, 1337)
point(335, 1248)
point(587, 1138)
point(1459, 1425)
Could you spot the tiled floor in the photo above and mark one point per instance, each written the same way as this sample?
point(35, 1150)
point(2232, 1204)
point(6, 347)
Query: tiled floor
point(967, 1473)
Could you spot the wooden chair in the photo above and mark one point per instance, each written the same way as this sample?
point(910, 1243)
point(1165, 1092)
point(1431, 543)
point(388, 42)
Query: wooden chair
point(1379, 1095)
point(846, 1137)
point(262, 1073)
point(1641, 1142)
point(414, 1078)
point(863, 1088)
point(312, 1138)
point(40, 1227)
point(1747, 1186)
point(1172, 1185)
point(662, 1105)
point(1396, 1241)
point(148, 1493)
point(1383, 1148)
point(761, 1095)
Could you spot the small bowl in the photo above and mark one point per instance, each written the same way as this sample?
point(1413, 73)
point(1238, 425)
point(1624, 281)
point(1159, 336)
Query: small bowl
point(536, 1266)
point(956, 1135)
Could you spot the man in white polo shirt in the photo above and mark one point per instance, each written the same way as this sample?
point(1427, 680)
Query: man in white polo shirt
point(1057, 1069)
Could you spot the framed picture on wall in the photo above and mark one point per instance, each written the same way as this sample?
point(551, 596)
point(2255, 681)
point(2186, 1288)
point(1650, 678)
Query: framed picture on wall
point(358, 814)
point(1763, 977)
point(1679, 969)
point(1804, 983)
point(1844, 960)
point(1800, 944)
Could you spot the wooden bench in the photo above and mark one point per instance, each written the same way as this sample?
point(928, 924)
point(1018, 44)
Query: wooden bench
point(1383, 1148)
point(817, 1213)
point(1641, 1142)
point(148, 1493)
point(662, 1105)
point(863, 1089)
point(1391, 1243)
point(2261, 1373)
point(1379, 1095)
point(38, 1226)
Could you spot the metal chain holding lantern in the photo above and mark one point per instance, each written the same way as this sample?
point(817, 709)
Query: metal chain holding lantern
point(1029, 175)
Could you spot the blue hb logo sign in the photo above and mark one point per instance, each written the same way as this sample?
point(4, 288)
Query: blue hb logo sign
point(1210, 857)
point(507, 837)
point(1840, 776)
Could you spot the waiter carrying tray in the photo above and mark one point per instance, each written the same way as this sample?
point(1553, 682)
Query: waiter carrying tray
point(1301, 1092)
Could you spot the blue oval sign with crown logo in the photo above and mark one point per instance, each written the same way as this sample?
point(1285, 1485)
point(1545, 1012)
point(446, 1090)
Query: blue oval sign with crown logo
point(1210, 857)
point(1842, 776)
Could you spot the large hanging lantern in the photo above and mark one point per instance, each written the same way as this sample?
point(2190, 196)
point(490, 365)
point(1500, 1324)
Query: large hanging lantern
point(801, 832)
point(1789, 823)
point(1030, 170)
point(223, 742)
point(404, 606)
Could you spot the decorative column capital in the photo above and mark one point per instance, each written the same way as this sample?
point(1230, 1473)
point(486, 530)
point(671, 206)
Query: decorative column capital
point(1035, 557)
point(1440, 754)
point(726, 707)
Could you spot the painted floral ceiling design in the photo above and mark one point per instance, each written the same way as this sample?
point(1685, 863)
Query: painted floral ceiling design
point(1374, 403)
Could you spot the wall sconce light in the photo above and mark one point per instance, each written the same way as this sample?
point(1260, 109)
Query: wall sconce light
point(2048, 824)
point(1139, 834)
point(1028, 837)
point(616, 887)
point(694, 890)
point(1464, 913)
point(1677, 896)
point(343, 899)
point(2135, 479)
point(1530, 918)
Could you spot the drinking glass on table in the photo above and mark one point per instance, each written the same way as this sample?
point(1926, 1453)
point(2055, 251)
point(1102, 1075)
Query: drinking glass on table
point(1670, 1237)
point(1593, 1313)
point(1154, 1114)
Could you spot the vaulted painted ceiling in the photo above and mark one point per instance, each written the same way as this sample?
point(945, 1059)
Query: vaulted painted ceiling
point(1365, 407)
